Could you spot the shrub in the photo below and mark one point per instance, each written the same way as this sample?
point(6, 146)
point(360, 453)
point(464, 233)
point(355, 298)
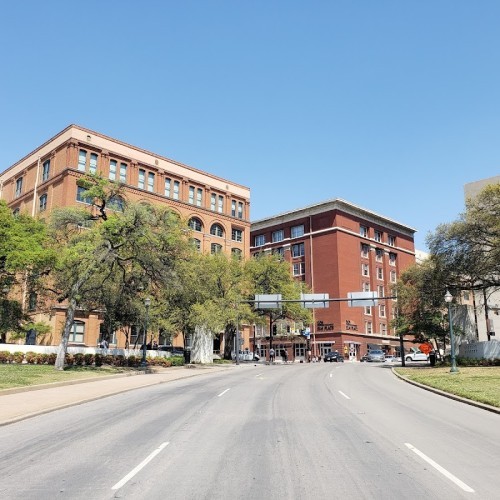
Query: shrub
point(17, 357)
point(177, 360)
point(42, 358)
point(89, 359)
point(79, 359)
point(133, 361)
point(31, 357)
point(98, 359)
point(51, 360)
point(119, 360)
point(69, 359)
point(108, 359)
point(4, 356)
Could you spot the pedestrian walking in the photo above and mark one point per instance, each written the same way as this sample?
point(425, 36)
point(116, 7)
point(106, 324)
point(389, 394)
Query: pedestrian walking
point(284, 355)
point(271, 355)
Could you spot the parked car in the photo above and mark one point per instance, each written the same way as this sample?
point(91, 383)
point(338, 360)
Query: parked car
point(333, 356)
point(376, 355)
point(364, 358)
point(416, 355)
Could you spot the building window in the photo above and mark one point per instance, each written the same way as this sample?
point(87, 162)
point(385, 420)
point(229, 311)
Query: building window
point(380, 290)
point(240, 210)
point(123, 172)
point(197, 244)
point(366, 287)
point(80, 196)
point(93, 164)
point(378, 236)
point(233, 208)
point(116, 203)
point(363, 231)
point(365, 270)
point(297, 231)
point(177, 189)
point(393, 276)
point(195, 224)
point(215, 248)
point(379, 255)
point(42, 205)
point(368, 327)
point(213, 201)
point(217, 230)
point(191, 195)
point(19, 187)
point(237, 235)
point(112, 170)
point(279, 251)
point(220, 204)
point(380, 273)
point(46, 170)
point(391, 240)
point(167, 187)
point(236, 253)
point(392, 259)
point(82, 160)
point(383, 328)
point(151, 182)
point(77, 332)
point(142, 179)
point(260, 240)
point(15, 212)
point(298, 250)
point(368, 310)
point(381, 311)
point(278, 236)
point(365, 249)
point(299, 268)
point(199, 197)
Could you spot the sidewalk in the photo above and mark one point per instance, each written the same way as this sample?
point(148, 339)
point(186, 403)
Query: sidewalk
point(19, 404)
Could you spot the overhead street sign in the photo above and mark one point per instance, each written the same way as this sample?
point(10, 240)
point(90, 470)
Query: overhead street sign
point(314, 300)
point(270, 301)
point(362, 299)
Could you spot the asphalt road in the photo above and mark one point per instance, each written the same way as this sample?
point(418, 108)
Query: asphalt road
point(313, 431)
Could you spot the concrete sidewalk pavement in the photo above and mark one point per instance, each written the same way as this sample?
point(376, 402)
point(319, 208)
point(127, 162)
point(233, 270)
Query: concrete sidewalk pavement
point(19, 404)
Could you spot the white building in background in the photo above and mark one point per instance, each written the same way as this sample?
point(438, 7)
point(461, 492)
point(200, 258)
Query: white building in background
point(486, 304)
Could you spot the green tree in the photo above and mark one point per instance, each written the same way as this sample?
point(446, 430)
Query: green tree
point(467, 251)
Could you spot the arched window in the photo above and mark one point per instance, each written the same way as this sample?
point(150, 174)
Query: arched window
point(215, 248)
point(116, 203)
point(217, 230)
point(195, 224)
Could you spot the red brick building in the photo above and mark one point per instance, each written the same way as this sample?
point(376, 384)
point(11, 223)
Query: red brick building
point(217, 210)
point(337, 247)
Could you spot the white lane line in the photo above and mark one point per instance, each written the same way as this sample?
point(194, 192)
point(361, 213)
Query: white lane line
point(222, 393)
point(258, 375)
point(345, 395)
point(443, 471)
point(143, 464)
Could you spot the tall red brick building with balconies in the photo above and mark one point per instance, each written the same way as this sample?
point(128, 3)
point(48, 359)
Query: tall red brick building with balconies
point(337, 247)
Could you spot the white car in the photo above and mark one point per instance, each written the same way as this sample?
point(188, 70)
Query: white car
point(416, 355)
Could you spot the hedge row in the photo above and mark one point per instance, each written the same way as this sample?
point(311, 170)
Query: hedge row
point(79, 359)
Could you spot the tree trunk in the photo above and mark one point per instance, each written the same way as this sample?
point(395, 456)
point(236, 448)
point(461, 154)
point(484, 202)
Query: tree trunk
point(229, 334)
point(63, 346)
point(202, 346)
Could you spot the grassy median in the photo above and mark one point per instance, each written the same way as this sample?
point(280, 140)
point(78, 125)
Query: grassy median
point(480, 384)
point(14, 375)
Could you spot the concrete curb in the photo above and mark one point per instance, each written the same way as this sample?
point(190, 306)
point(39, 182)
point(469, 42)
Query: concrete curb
point(470, 402)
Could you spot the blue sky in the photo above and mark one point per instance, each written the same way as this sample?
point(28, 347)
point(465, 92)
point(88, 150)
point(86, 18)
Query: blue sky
point(390, 104)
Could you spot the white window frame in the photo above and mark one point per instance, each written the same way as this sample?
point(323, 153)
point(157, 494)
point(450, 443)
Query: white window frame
point(363, 231)
point(278, 236)
point(392, 259)
point(45, 170)
point(42, 203)
point(215, 248)
point(368, 327)
point(236, 234)
point(141, 179)
point(393, 277)
point(380, 273)
point(112, 170)
point(391, 240)
point(259, 240)
point(220, 204)
point(19, 187)
point(381, 311)
point(199, 197)
point(379, 255)
point(365, 270)
point(191, 195)
point(378, 236)
point(123, 172)
point(299, 268)
point(151, 182)
point(82, 160)
point(168, 183)
point(297, 231)
point(93, 163)
point(365, 250)
point(368, 310)
point(298, 250)
point(177, 190)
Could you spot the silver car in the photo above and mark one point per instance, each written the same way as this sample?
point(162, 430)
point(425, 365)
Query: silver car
point(376, 355)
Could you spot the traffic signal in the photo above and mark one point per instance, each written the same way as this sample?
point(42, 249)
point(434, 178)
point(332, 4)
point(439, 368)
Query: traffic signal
point(275, 329)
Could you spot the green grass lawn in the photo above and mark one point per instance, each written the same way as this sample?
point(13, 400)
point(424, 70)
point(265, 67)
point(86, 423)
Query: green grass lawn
point(477, 383)
point(14, 375)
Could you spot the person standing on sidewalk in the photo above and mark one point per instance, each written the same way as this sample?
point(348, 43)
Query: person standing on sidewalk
point(271, 355)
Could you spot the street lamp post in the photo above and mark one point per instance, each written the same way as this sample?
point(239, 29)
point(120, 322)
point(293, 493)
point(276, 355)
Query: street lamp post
point(147, 303)
point(448, 298)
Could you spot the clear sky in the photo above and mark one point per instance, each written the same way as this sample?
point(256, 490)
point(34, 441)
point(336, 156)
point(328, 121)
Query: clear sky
point(390, 104)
